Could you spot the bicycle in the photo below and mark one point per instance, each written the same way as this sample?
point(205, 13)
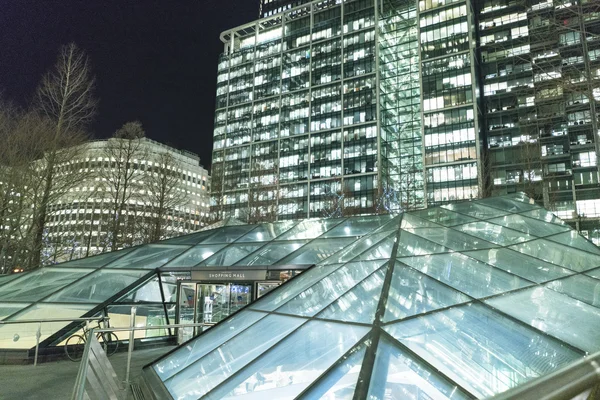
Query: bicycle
point(75, 344)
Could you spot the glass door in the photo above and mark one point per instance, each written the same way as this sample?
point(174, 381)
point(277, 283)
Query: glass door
point(186, 310)
point(213, 302)
point(241, 295)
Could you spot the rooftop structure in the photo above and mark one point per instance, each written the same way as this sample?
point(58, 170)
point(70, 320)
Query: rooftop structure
point(466, 300)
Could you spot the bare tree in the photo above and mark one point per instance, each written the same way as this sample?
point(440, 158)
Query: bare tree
point(65, 98)
point(119, 177)
point(164, 193)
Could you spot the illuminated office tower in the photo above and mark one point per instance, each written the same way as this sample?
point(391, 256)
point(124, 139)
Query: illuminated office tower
point(319, 113)
point(541, 83)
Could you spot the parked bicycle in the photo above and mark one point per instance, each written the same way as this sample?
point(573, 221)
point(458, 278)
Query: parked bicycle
point(75, 344)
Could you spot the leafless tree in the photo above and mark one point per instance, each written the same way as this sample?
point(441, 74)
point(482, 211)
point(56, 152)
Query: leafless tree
point(165, 194)
point(119, 180)
point(65, 98)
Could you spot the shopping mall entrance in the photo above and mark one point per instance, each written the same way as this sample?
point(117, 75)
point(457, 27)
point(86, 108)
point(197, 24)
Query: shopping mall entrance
point(210, 296)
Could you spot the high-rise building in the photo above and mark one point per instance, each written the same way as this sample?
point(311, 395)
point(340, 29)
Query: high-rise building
point(396, 104)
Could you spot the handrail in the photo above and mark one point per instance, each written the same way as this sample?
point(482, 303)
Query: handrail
point(41, 321)
point(145, 328)
point(564, 383)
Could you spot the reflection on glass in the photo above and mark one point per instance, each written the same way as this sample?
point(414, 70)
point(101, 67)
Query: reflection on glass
point(357, 226)
point(579, 287)
point(443, 216)
point(148, 257)
point(411, 221)
point(310, 229)
point(574, 239)
point(413, 293)
point(317, 251)
point(466, 274)
point(563, 317)
point(40, 283)
point(528, 225)
point(231, 254)
point(544, 215)
point(339, 383)
point(494, 233)
point(267, 232)
point(294, 363)
point(481, 350)
point(220, 363)
point(98, 287)
point(191, 239)
point(300, 283)
point(519, 264)
point(555, 253)
point(359, 303)
point(194, 256)
point(229, 234)
point(7, 309)
point(513, 206)
point(452, 239)
point(413, 245)
point(475, 210)
point(331, 287)
point(97, 261)
point(271, 253)
point(398, 375)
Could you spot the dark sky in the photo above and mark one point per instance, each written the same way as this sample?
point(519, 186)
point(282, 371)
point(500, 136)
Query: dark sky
point(154, 60)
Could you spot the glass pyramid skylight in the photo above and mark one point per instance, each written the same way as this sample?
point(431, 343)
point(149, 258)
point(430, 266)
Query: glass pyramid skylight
point(461, 301)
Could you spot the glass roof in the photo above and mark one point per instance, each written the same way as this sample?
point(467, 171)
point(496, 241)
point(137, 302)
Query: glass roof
point(466, 300)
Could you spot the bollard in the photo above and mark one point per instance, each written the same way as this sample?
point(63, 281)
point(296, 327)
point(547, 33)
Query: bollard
point(131, 341)
point(38, 335)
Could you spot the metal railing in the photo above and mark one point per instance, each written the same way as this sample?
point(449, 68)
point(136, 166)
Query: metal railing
point(38, 333)
point(563, 384)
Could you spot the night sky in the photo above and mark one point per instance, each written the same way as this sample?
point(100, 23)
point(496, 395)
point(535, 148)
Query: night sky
point(154, 60)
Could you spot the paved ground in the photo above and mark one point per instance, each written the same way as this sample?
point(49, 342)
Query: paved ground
point(54, 381)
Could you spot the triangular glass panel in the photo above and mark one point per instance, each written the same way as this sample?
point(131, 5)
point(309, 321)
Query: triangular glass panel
point(294, 287)
point(340, 382)
point(580, 287)
point(494, 233)
point(357, 226)
point(519, 264)
point(594, 273)
point(558, 254)
point(229, 234)
point(475, 210)
point(7, 278)
point(317, 251)
point(483, 351)
point(411, 221)
point(544, 215)
point(310, 229)
point(559, 315)
point(399, 375)
point(194, 256)
point(363, 245)
point(97, 261)
point(191, 239)
point(413, 293)
point(380, 251)
point(465, 274)
point(150, 256)
point(221, 363)
point(149, 292)
point(529, 225)
point(574, 239)
point(329, 289)
point(413, 245)
point(40, 283)
point(294, 363)
point(98, 286)
point(198, 347)
point(359, 304)
point(271, 253)
point(442, 216)
point(452, 239)
point(506, 204)
point(231, 254)
point(7, 309)
point(267, 232)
